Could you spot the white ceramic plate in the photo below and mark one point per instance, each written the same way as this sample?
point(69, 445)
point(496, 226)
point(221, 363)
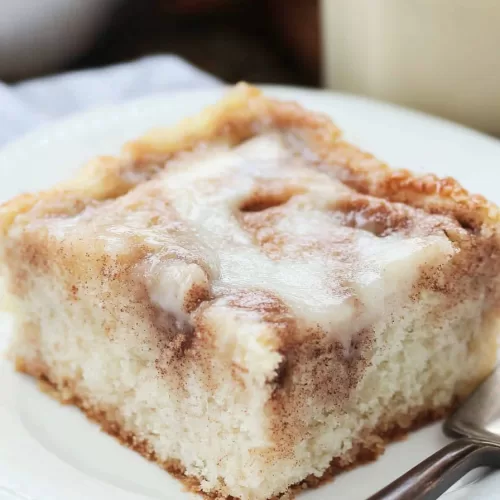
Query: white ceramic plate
point(51, 452)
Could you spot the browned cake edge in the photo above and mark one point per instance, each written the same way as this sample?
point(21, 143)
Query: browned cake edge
point(365, 451)
point(243, 113)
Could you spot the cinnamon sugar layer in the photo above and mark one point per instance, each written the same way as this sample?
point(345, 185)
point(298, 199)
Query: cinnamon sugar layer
point(259, 216)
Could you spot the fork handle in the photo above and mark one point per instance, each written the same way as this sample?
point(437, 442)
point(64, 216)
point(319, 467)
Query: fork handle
point(432, 477)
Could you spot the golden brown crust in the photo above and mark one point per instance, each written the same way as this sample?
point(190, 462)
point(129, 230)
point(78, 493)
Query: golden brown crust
point(242, 113)
point(369, 449)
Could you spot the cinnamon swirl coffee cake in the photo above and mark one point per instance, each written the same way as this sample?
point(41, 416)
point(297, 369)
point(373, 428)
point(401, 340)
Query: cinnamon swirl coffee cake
point(249, 300)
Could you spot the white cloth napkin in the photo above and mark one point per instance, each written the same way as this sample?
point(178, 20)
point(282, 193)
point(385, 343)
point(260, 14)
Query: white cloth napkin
point(27, 105)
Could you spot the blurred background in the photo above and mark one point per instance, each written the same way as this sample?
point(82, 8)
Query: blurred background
point(442, 57)
point(268, 41)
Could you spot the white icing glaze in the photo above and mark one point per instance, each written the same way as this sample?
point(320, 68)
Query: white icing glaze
point(169, 286)
point(339, 287)
point(318, 286)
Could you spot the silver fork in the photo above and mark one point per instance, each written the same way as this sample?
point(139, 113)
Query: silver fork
point(477, 425)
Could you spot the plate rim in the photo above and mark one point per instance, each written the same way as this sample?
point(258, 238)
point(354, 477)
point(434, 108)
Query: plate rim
point(274, 90)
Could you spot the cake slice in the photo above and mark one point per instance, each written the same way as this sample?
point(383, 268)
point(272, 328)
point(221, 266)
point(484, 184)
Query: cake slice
point(250, 301)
